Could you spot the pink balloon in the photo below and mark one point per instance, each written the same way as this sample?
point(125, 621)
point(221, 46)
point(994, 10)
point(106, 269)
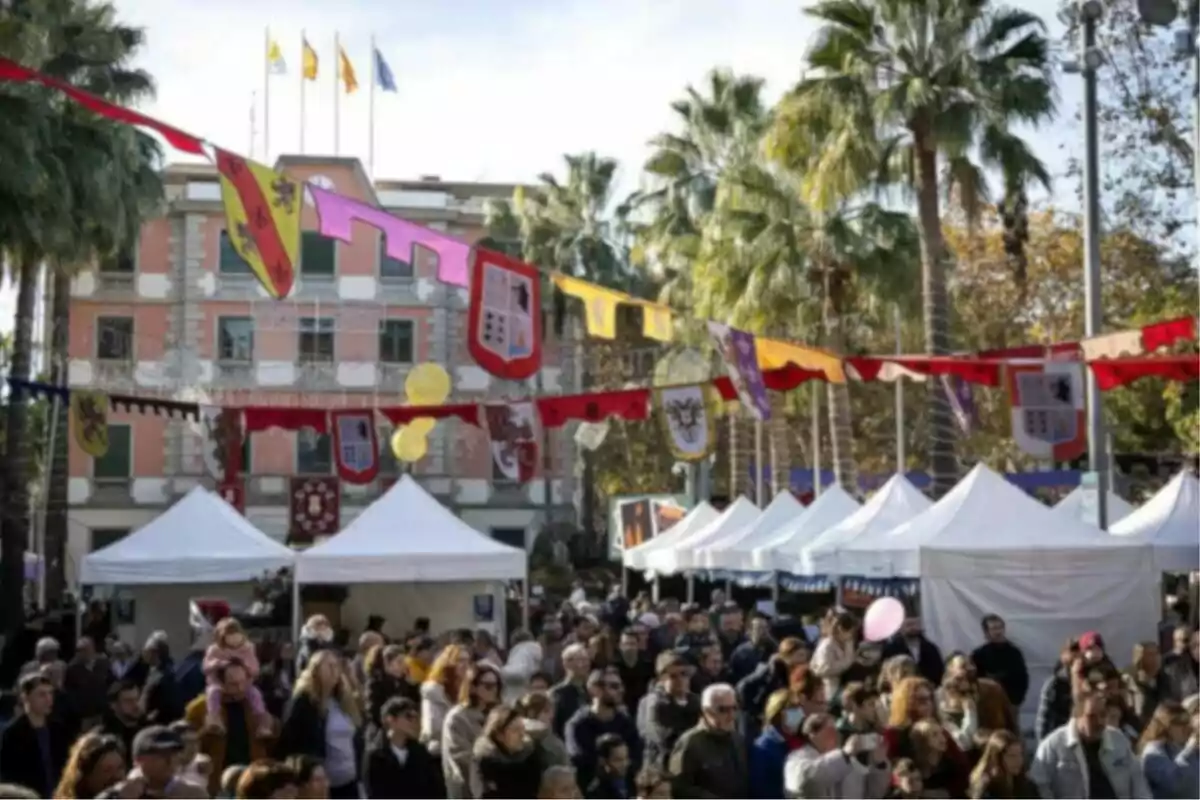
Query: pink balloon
point(883, 619)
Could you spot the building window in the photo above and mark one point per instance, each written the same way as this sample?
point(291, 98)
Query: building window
point(314, 456)
point(396, 344)
point(230, 262)
point(117, 463)
point(316, 340)
point(235, 339)
point(392, 268)
point(114, 338)
point(318, 255)
point(104, 537)
point(123, 263)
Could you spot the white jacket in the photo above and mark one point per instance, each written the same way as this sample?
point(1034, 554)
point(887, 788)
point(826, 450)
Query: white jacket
point(1060, 767)
point(523, 661)
point(810, 774)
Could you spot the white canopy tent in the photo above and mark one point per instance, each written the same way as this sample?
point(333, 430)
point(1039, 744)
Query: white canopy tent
point(682, 556)
point(1170, 523)
point(694, 520)
point(199, 547)
point(989, 548)
point(1072, 505)
point(736, 552)
point(408, 551)
point(836, 551)
point(782, 553)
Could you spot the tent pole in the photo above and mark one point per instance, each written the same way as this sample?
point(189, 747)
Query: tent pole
point(295, 606)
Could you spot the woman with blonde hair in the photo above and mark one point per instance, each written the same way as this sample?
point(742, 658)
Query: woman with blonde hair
point(1169, 752)
point(323, 720)
point(894, 670)
point(96, 763)
point(439, 691)
point(913, 704)
point(1000, 773)
point(478, 694)
point(507, 762)
point(1145, 683)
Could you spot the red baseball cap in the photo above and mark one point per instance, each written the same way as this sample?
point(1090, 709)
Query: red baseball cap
point(1091, 639)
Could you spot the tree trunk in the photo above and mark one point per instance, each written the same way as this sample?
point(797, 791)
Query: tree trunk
point(841, 433)
point(14, 527)
point(56, 503)
point(943, 464)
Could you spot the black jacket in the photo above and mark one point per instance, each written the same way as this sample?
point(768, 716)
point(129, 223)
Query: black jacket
point(748, 656)
point(930, 665)
point(636, 678)
point(668, 720)
point(1004, 663)
point(380, 689)
point(586, 727)
point(420, 776)
point(302, 731)
point(508, 775)
point(1054, 706)
point(21, 757)
point(161, 694)
point(568, 698)
point(603, 787)
point(87, 687)
point(113, 726)
point(755, 688)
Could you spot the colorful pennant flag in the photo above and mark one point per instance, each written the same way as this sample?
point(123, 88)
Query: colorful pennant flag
point(740, 353)
point(384, 78)
point(599, 304)
point(275, 63)
point(89, 418)
point(688, 416)
point(262, 217)
point(656, 322)
point(349, 79)
point(308, 60)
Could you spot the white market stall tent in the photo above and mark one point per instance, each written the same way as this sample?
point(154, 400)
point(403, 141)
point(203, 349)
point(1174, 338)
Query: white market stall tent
point(199, 547)
point(407, 553)
point(1072, 505)
point(1170, 523)
point(736, 552)
point(694, 520)
point(683, 556)
point(782, 553)
point(836, 551)
point(989, 548)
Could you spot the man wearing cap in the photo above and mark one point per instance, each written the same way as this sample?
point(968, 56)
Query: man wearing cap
point(156, 753)
point(668, 710)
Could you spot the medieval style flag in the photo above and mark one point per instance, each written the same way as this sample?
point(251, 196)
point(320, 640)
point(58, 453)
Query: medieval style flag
point(89, 421)
point(505, 316)
point(355, 446)
point(739, 351)
point(512, 429)
point(1048, 409)
point(599, 304)
point(262, 220)
point(688, 418)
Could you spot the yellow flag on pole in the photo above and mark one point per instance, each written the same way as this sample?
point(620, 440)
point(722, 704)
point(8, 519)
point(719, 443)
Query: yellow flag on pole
point(309, 61)
point(349, 79)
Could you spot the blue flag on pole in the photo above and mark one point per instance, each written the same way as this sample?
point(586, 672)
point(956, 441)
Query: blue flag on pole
point(383, 73)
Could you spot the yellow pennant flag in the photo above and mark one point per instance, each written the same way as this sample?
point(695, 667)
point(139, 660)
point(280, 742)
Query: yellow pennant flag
point(656, 322)
point(773, 354)
point(262, 219)
point(275, 63)
point(599, 304)
point(349, 79)
point(89, 422)
point(308, 60)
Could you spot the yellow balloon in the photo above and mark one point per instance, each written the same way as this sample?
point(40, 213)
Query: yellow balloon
point(427, 384)
point(409, 445)
point(423, 425)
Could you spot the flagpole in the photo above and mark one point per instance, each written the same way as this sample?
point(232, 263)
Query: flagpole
point(337, 74)
point(371, 114)
point(266, 96)
point(303, 51)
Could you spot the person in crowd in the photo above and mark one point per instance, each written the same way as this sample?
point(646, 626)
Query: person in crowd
point(1000, 773)
point(583, 629)
point(770, 677)
point(913, 703)
point(235, 742)
point(266, 780)
point(159, 702)
point(731, 623)
point(697, 634)
point(710, 669)
point(864, 669)
point(1170, 753)
point(1146, 684)
point(45, 653)
point(571, 694)
point(64, 710)
point(123, 719)
point(611, 779)
point(1054, 704)
point(668, 632)
point(156, 753)
point(601, 650)
point(835, 652)
point(651, 782)
point(387, 677)
point(1000, 660)
point(86, 683)
point(122, 664)
point(195, 768)
point(808, 690)
point(478, 695)
point(758, 647)
point(524, 661)
point(96, 762)
point(558, 783)
point(367, 642)
point(230, 643)
point(860, 709)
point(906, 781)
point(1182, 666)
point(603, 716)
point(189, 670)
point(551, 640)
point(963, 690)
point(1118, 716)
point(229, 781)
point(634, 666)
point(508, 764)
point(397, 765)
point(894, 670)
point(439, 691)
point(97, 623)
point(1084, 758)
point(538, 710)
point(910, 641)
point(316, 635)
point(1095, 660)
point(277, 679)
point(670, 710)
point(710, 759)
point(780, 736)
point(311, 781)
point(857, 768)
point(323, 720)
point(420, 658)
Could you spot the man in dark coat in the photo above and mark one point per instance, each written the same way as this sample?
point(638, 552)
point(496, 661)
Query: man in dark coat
point(670, 709)
point(756, 650)
point(1002, 661)
point(603, 716)
point(911, 641)
point(34, 747)
point(399, 766)
point(86, 682)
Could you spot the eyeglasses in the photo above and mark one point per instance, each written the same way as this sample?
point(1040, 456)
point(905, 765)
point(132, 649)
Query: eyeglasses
point(724, 709)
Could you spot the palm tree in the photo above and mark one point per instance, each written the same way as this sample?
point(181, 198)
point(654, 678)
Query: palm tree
point(900, 92)
point(99, 181)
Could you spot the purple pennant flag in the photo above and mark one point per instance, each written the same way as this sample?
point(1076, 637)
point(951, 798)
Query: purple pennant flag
point(962, 401)
point(740, 352)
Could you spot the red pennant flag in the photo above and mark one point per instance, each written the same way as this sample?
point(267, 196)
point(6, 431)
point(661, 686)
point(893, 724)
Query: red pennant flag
point(512, 430)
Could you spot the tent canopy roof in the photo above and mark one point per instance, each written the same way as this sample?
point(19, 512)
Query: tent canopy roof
point(721, 554)
point(199, 539)
point(782, 552)
point(896, 502)
point(1170, 523)
point(407, 535)
point(697, 518)
point(736, 517)
point(1072, 505)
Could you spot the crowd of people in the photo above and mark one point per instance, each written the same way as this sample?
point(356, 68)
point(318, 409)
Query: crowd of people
point(614, 699)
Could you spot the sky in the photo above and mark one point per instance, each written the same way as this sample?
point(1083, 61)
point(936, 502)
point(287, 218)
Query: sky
point(488, 90)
